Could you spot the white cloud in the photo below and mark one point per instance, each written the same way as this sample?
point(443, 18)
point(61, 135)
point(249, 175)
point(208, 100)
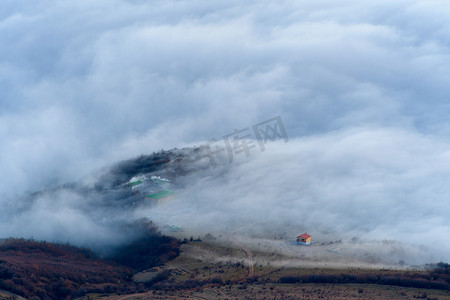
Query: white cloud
point(376, 184)
point(362, 87)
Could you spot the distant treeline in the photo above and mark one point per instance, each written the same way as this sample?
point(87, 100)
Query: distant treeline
point(151, 249)
point(438, 278)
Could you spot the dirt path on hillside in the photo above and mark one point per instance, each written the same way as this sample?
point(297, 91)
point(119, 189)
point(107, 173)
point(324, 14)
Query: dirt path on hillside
point(152, 295)
point(249, 256)
point(8, 295)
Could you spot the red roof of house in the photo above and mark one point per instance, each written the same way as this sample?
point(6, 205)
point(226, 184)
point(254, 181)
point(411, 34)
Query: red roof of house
point(305, 236)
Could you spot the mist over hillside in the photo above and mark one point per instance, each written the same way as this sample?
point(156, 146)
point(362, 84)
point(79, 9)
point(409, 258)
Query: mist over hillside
point(269, 196)
point(90, 92)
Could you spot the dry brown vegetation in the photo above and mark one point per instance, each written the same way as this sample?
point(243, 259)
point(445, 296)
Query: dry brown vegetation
point(204, 270)
point(48, 271)
point(53, 271)
point(212, 271)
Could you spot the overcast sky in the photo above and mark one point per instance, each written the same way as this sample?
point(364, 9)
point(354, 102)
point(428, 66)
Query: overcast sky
point(362, 89)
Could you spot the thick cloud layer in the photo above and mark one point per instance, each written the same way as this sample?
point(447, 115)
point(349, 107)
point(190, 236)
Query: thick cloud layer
point(361, 87)
point(379, 186)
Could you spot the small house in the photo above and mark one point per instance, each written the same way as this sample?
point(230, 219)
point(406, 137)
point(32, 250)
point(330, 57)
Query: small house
point(159, 180)
point(304, 239)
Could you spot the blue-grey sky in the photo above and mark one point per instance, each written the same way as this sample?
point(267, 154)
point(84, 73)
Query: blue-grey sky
point(362, 88)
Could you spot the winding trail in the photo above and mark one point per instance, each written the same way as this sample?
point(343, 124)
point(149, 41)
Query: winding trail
point(9, 295)
point(249, 256)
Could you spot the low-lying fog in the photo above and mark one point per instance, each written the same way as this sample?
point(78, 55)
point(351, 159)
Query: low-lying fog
point(376, 196)
point(361, 88)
